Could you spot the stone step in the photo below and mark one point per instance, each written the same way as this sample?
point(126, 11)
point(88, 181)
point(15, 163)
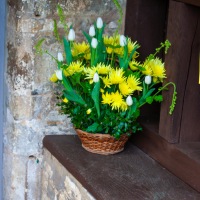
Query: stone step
point(128, 175)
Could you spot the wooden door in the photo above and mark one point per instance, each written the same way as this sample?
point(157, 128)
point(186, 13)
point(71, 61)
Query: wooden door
point(183, 69)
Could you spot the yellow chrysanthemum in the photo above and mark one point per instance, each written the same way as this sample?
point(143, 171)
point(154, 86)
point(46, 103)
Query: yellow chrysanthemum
point(102, 90)
point(133, 83)
point(74, 67)
point(106, 98)
point(133, 65)
point(131, 46)
point(147, 69)
point(158, 69)
point(103, 69)
point(106, 81)
point(124, 106)
point(112, 44)
point(119, 51)
point(117, 101)
point(125, 89)
point(53, 78)
point(81, 48)
point(89, 72)
point(108, 41)
point(116, 76)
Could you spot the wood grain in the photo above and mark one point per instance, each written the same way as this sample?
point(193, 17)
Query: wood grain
point(145, 23)
point(182, 160)
point(189, 130)
point(191, 2)
point(128, 175)
point(181, 29)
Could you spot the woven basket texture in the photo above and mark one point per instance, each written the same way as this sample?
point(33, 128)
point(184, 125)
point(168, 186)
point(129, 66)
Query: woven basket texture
point(101, 143)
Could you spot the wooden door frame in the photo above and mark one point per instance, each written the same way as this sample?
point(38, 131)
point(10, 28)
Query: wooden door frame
point(2, 66)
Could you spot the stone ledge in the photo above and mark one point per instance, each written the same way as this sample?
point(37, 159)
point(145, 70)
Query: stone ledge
point(130, 174)
point(58, 183)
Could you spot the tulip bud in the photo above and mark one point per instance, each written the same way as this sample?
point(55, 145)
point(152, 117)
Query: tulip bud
point(60, 57)
point(129, 101)
point(94, 43)
point(71, 35)
point(92, 31)
point(59, 74)
point(147, 80)
point(99, 22)
point(96, 78)
point(122, 40)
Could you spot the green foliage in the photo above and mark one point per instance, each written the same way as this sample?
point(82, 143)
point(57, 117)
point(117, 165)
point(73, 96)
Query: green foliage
point(95, 97)
point(55, 30)
point(158, 98)
point(111, 102)
point(62, 18)
point(174, 99)
point(120, 11)
point(38, 46)
point(163, 45)
point(67, 51)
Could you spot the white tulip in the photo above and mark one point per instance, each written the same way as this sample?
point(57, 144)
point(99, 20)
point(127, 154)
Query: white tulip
point(122, 40)
point(96, 78)
point(129, 101)
point(59, 74)
point(99, 22)
point(60, 57)
point(92, 31)
point(71, 35)
point(94, 43)
point(147, 80)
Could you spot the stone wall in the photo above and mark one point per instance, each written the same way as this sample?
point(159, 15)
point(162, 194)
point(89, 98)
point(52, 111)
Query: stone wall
point(30, 111)
point(58, 183)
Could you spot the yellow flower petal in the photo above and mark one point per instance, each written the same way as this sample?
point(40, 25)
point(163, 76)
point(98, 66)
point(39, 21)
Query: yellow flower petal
point(88, 111)
point(65, 100)
point(133, 83)
point(53, 78)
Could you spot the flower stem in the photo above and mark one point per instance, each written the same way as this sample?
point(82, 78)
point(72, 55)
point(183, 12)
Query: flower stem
point(174, 96)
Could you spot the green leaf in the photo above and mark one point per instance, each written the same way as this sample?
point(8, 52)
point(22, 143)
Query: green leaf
point(158, 98)
point(95, 97)
point(120, 12)
point(55, 31)
point(133, 107)
point(73, 96)
point(93, 128)
point(75, 79)
point(67, 51)
point(67, 84)
point(149, 100)
point(38, 46)
point(62, 18)
point(149, 93)
point(89, 39)
point(132, 53)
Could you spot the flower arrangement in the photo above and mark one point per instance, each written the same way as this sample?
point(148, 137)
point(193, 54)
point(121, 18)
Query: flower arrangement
point(102, 85)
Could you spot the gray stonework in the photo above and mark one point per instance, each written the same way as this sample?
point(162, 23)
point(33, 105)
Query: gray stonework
point(31, 111)
point(58, 183)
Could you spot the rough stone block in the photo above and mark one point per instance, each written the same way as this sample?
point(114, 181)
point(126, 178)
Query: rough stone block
point(58, 183)
point(21, 106)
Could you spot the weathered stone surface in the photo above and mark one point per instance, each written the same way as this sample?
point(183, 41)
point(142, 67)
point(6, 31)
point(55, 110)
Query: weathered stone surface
point(31, 103)
point(58, 183)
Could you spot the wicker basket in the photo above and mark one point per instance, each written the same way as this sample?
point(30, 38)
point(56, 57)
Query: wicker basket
point(101, 143)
